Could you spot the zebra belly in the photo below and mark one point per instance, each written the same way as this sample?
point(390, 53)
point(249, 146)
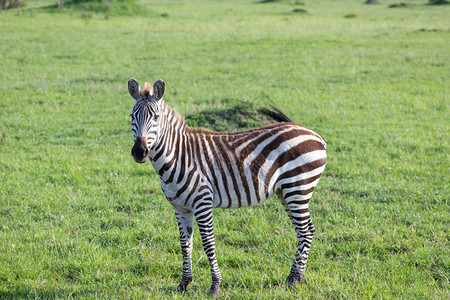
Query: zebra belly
point(225, 202)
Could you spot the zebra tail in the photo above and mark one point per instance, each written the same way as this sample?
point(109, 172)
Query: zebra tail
point(275, 114)
point(279, 116)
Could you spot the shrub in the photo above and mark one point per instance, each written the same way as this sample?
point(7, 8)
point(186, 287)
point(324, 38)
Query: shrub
point(438, 2)
point(401, 4)
point(107, 7)
point(300, 10)
point(234, 115)
point(7, 4)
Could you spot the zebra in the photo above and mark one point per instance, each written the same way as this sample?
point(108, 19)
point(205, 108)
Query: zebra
point(201, 169)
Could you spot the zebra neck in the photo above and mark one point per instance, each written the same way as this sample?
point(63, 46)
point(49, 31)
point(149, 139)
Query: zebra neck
point(171, 142)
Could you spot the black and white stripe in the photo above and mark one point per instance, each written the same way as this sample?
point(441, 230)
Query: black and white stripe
point(202, 169)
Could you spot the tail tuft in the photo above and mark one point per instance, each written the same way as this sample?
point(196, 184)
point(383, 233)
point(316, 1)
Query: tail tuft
point(275, 114)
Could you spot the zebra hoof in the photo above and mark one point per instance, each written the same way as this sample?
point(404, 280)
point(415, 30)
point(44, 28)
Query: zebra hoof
point(181, 288)
point(294, 279)
point(214, 291)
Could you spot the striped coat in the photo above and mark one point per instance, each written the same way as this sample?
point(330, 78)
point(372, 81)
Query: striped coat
point(202, 169)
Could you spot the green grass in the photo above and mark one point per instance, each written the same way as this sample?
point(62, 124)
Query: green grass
point(78, 217)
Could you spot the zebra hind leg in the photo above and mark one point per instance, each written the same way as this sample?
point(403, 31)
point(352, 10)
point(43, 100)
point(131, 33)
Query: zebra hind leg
point(296, 206)
point(185, 220)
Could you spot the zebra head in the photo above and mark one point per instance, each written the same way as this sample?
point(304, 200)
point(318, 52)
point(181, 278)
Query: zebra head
point(144, 117)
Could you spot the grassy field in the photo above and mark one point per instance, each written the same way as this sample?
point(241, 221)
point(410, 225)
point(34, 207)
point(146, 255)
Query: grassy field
point(79, 218)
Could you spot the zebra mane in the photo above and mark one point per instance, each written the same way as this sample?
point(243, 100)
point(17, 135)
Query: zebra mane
point(176, 116)
point(179, 119)
point(148, 90)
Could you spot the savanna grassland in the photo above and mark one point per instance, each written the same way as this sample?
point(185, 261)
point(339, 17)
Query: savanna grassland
point(79, 218)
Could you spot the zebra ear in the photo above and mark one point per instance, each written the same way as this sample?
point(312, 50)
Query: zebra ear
point(159, 88)
point(133, 88)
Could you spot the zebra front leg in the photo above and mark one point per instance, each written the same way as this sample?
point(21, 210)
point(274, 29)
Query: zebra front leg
point(203, 215)
point(185, 220)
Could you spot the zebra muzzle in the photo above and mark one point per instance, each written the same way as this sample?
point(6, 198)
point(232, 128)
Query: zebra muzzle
point(140, 150)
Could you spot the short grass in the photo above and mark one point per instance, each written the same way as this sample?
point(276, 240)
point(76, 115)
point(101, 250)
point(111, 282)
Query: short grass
point(78, 218)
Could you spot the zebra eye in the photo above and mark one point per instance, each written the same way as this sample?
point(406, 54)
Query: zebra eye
point(156, 117)
point(132, 117)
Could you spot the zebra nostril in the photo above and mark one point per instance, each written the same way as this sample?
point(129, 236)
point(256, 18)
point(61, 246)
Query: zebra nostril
point(140, 151)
